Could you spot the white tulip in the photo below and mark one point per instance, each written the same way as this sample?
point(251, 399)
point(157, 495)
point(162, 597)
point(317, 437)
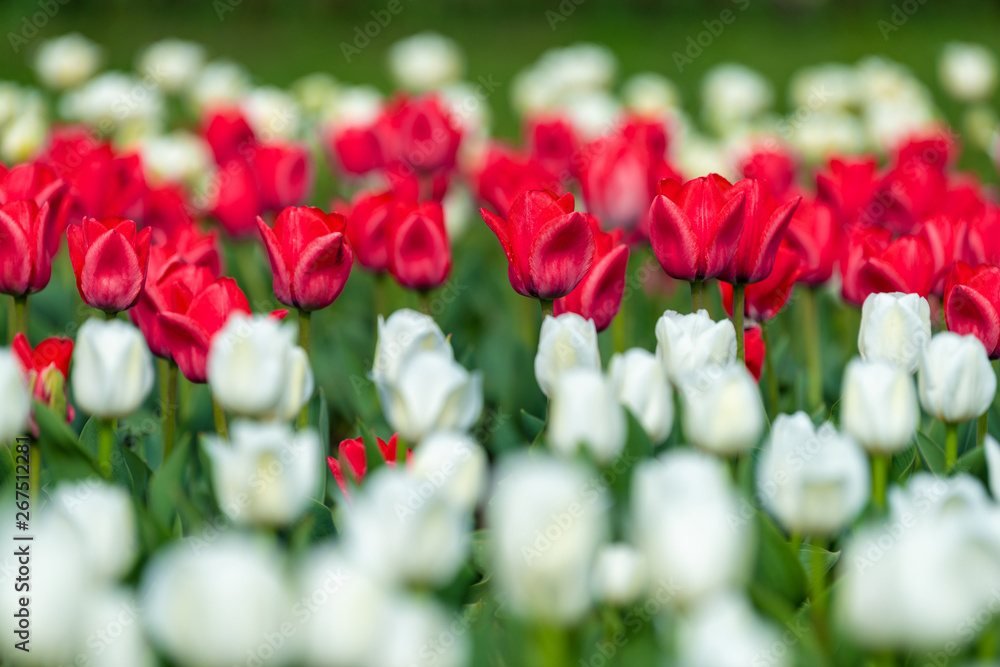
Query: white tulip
point(642, 387)
point(15, 399)
point(547, 518)
point(432, 393)
point(173, 64)
point(255, 369)
point(178, 156)
point(749, 640)
point(722, 410)
point(422, 635)
point(687, 343)
point(272, 112)
point(398, 530)
point(993, 465)
point(683, 510)
point(23, 136)
point(620, 574)
point(732, 94)
point(826, 133)
point(567, 341)
point(112, 369)
point(454, 465)
point(266, 474)
point(220, 82)
point(67, 61)
point(99, 101)
point(832, 86)
point(112, 624)
point(405, 330)
point(956, 381)
point(215, 604)
point(879, 407)
point(315, 91)
point(425, 61)
point(354, 106)
point(813, 481)
point(895, 327)
point(105, 519)
point(650, 93)
point(585, 413)
point(968, 72)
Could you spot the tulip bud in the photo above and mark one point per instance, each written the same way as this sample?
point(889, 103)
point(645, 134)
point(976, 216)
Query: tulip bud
point(686, 343)
point(266, 474)
point(405, 330)
point(895, 327)
point(15, 408)
point(879, 406)
point(956, 381)
point(567, 341)
point(641, 386)
point(993, 465)
point(112, 369)
point(256, 370)
point(813, 481)
point(67, 61)
point(723, 413)
point(425, 61)
point(585, 413)
point(106, 522)
point(454, 465)
point(619, 574)
point(968, 71)
point(109, 259)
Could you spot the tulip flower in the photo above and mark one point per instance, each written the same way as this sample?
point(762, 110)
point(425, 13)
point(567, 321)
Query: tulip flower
point(552, 141)
point(859, 242)
point(904, 265)
point(112, 369)
point(566, 342)
point(47, 369)
point(455, 464)
point(352, 460)
point(879, 407)
point(355, 149)
point(237, 204)
point(689, 343)
point(110, 259)
point(249, 487)
point(228, 134)
point(38, 183)
point(549, 247)
point(945, 235)
point(620, 574)
point(101, 509)
point(103, 183)
point(285, 174)
point(895, 328)
point(405, 331)
point(642, 387)
point(764, 225)
point(25, 255)
point(585, 414)
point(722, 410)
point(816, 234)
point(764, 299)
point(775, 165)
point(309, 257)
point(813, 481)
point(598, 297)
point(16, 406)
point(731, 614)
point(417, 246)
point(367, 229)
point(972, 304)
point(756, 352)
point(504, 176)
point(167, 210)
point(848, 186)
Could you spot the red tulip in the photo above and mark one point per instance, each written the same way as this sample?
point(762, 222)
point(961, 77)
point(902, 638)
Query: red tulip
point(945, 236)
point(972, 304)
point(47, 367)
point(816, 233)
point(552, 142)
point(38, 183)
point(238, 200)
point(25, 255)
point(198, 248)
point(195, 309)
point(598, 297)
point(904, 265)
point(421, 133)
point(505, 175)
point(848, 186)
point(353, 460)
point(695, 229)
point(285, 173)
point(109, 259)
point(229, 134)
point(756, 351)
point(367, 229)
point(166, 208)
point(165, 268)
point(106, 184)
point(356, 149)
point(418, 248)
point(763, 228)
point(982, 243)
point(766, 297)
point(549, 247)
point(859, 241)
point(911, 191)
point(309, 257)
point(775, 165)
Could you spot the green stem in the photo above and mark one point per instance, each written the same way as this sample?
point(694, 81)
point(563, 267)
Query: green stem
point(772, 379)
point(880, 479)
point(814, 360)
point(11, 322)
point(305, 319)
point(552, 647)
point(379, 298)
point(795, 542)
point(817, 589)
point(21, 315)
point(618, 331)
point(983, 429)
point(220, 420)
point(425, 302)
point(167, 371)
point(110, 316)
point(105, 443)
point(950, 445)
point(547, 307)
point(34, 472)
point(986, 650)
point(697, 295)
point(739, 299)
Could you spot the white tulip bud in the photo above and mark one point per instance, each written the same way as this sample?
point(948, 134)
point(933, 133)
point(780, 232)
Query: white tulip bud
point(895, 327)
point(15, 399)
point(993, 465)
point(423, 635)
point(255, 369)
point(547, 518)
point(956, 381)
point(173, 64)
point(425, 61)
point(585, 412)
point(67, 61)
point(722, 410)
point(266, 474)
point(879, 406)
point(813, 481)
point(620, 574)
point(104, 517)
point(112, 624)
point(750, 640)
point(968, 72)
point(112, 369)
point(642, 387)
point(220, 82)
point(567, 341)
point(405, 330)
point(454, 465)
point(687, 343)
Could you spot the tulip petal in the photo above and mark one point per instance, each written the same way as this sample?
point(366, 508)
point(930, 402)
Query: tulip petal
point(969, 312)
point(322, 272)
point(602, 289)
point(112, 277)
point(674, 241)
point(188, 344)
point(15, 254)
point(724, 239)
point(561, 255)
point(279, 267)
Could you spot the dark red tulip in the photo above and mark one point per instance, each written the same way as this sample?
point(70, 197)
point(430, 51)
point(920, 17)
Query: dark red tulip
point(228, 134)
point(552, 142)
point(25, 254)
point(776, 165)
point(945, 236)
point(549, 247)
point(982, 242)
point(764, 225)
point(848, 186)
point(903, 265)
point(367, 229)
point(165, 267)
point(421, 133)
point(817, 235)
point(106, 184)
point(756, 351)
point(972, 304)
point(38, 183)
point(46, 366)
point(353, 460)
point(355, 149)
point(598, 297)
point(166, 208)
point(285, 174)
point(505, 175)
point(238, 200)
point(110, 259)
point(766, 297)
point(198, 248)
point(418, 248)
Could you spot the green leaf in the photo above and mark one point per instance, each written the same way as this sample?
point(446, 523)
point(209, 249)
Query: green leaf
point(480, 550)
point(533, 426)
point(778, 568)
point(139, 473)
point(638, 444)
point(373, 455)
point(166, 487)
point(972, 462)
point(89, 443)
point(809, 554)
point(931, 453)
point(315, 525)
point(323, 424)
point(903, 464)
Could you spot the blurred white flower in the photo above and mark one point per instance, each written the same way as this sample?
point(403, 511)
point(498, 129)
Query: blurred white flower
point(354, 106)
point(993, 466)
point(879, 407)
point(426, 61)
point(106, 522)
point(112, 623)
point(112, 369)
point(454, 465)
point(968, 72)
point(214, 603)
point(593, 113)
point(220, 82)
point(422, 635)
point(469, 106)
point(23, 136)
point(114, 100)
point(956, 380)
point(67, 61)
point(722, 409)
point(173, 63)
point(688, 343)
point(405, 331)
point(585, 414)
point(895, 327)
point(15, 404)
point(813, 481)
point(825, 133)
point(547, 518)
point(733, 93)
point(686, 522)
point(650, 93)
point(829, 86)
point(561, 73)
point(457, 206)
point(314, 92)
point(749, 639)
point(889, 123)
point(272, 113)
point(641, 385)
point(620, 574)
point(567, 341)
point(176, 157)
point(266, 474)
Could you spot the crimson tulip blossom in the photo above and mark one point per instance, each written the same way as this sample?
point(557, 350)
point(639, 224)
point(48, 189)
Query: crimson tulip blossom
point(945, 236)
point(25, 254)
point(756, 350)
point(598, 297)
point(982, 242)
point(367, 229)
point(817, 234)
point(765, 298)
point(764, 227)
point(972, 304)
point(903, 265)
point(105, 184)
point(46, 366)
point(417, 246)
point(110, 258)
point(848, 186)
point(353, 460)
point(309, 257)
point(237, 203)
point(165, 267)
point(776, 165)
point(421, 133)
point(859, 242)
point(355, 149)
point(285, 175)
point(38, 183)
point(504, 175)
point(552, 141)
point(228, 134)
point(549, 247)
point(166, 208)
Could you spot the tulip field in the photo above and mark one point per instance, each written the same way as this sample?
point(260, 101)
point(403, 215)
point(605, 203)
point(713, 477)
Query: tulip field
point(337, 374)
